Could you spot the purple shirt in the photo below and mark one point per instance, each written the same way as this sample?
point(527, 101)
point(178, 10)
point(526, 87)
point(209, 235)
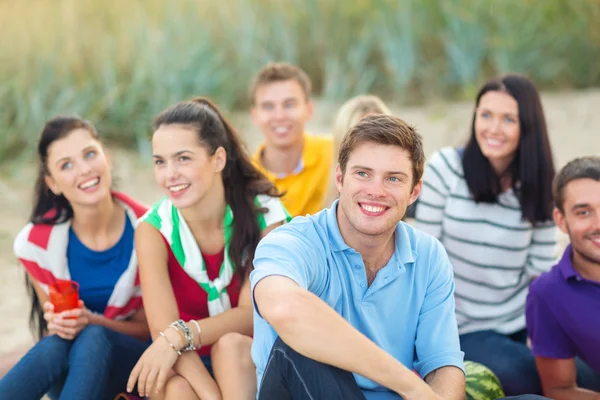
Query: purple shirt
point(563, 314)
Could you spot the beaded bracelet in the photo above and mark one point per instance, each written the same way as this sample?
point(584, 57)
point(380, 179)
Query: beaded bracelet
point(189, 335)
point(180, 333)
point(170, 344)
point(193, 321)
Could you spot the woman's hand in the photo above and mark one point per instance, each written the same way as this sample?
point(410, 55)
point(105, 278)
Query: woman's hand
point(66, 324)
point(154, 366)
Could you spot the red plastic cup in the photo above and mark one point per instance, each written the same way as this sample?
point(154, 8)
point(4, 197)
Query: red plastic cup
point(64, 295)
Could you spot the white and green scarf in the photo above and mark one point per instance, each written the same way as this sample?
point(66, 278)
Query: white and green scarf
point(165, 217)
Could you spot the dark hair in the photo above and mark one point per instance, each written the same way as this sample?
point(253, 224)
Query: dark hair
point(49, 208)
point(242, 181)
point(579, 168)
point(385, 130)
point(532, 169)
point(279, 72)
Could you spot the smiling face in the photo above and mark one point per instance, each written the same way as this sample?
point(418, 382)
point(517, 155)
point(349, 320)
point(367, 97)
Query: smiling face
point(78, 169)
point(281, 110)
point(581, 219)
point(183, 169)
point(497, 128)
point(375, 189)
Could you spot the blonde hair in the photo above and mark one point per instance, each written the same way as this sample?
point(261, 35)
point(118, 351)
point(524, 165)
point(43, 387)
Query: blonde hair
point(348, 115)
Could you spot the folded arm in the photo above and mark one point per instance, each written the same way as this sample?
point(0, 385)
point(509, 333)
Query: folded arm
point(447, 382)
point(312, 328)
point(559, 380)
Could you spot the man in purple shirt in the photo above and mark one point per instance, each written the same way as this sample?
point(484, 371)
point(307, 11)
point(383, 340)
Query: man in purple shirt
point(563, 306)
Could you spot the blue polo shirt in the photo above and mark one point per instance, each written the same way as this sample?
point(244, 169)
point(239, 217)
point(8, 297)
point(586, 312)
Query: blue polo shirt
point(408, 310)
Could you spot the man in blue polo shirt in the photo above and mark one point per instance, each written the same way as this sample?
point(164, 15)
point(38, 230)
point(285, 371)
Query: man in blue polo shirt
point(563, 305)
point(352, 288)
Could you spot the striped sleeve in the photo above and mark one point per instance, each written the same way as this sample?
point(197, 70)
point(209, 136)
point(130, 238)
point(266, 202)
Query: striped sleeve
point(542, 250)
point(441, 170)
point(26, 254)
point(20, 243)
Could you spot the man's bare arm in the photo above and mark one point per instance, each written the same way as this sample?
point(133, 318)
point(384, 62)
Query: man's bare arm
point(312, 328)
point(448, 382)
point(559, 380)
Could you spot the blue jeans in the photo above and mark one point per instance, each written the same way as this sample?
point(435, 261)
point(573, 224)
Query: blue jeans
point(512, 361)
point(95, 365)
point(291, 376)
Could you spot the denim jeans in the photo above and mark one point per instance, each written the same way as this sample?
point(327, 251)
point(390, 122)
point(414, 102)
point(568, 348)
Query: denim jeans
point(291, 376)
point(95, 365)
point(513, 363)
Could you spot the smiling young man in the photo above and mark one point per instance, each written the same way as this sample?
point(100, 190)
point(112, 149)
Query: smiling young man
point(563, 306)
point(350, 300)
point(296, 162)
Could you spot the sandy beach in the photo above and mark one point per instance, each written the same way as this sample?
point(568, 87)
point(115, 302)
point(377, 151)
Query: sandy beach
point(573, 119)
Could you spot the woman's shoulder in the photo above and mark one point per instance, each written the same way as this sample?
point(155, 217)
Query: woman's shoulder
point(448, 158)
point(35, 238)
point(444, 169)
point(158, 213)
point(22, 240)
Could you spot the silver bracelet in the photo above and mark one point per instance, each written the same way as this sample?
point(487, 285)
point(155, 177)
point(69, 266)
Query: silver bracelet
point(199, 332)
point(170, 344)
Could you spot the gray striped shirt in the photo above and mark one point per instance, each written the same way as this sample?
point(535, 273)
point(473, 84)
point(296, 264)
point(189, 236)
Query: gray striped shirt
point(493, 251)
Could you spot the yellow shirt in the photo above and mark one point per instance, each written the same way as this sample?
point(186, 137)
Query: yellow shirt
point(305, 188)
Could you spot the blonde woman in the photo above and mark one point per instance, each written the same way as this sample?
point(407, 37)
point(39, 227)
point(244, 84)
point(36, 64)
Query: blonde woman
point(349, 114)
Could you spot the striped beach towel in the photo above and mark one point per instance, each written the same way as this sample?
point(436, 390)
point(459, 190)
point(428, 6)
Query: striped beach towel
point(42, 249)
point(167, 219)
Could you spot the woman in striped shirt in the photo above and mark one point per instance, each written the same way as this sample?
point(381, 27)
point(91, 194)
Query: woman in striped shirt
point(490, 204)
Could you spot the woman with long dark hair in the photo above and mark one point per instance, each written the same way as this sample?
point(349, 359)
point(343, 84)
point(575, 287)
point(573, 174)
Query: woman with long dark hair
point(79, 230)
point(196, 248)
point(490, 204)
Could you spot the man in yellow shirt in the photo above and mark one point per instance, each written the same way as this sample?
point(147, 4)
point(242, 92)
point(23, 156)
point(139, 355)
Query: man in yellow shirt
point(298, 163)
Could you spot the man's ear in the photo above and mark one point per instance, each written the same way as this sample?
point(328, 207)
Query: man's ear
point(311, 109)
point(416, 191)
point(339, 178)
point(253, 112)
point(560, 220)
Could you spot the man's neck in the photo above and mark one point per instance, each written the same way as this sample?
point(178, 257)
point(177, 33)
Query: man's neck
point(282, 160)
point(376, 250)
point(587, 268)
